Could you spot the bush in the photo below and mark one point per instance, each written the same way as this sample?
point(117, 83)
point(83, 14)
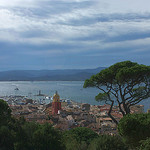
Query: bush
point(78, 138)
point(145, 144)
point(107, 142)
point(134, 128)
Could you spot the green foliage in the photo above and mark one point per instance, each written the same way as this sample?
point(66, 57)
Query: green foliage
point(6, 139)
point(70, 142)
point(47, 138)
point(107, 142)
point(6, 128)
point(102, 97)
point(134, 128)
point(24, 134)
point(5, 112)
point(78, 138)
point(136, 72)
point(126, 83)
point(120, 72)
point(89, 83)
point(33, 136)
point(145, 144)
point(139, 92)
point(83, 134)
point(21, 135)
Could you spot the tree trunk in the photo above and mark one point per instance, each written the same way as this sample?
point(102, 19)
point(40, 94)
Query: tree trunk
point(127, 110)
point(109, 114)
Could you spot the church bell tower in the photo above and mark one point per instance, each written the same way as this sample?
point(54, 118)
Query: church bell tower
point(56, 104)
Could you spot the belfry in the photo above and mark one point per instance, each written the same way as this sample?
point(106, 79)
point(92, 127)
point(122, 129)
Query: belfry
point(56, 104)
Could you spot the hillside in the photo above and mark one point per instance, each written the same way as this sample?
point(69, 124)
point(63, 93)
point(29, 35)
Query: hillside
point(48, 75)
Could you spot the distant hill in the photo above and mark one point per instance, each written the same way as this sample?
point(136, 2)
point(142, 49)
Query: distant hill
point(49, 75)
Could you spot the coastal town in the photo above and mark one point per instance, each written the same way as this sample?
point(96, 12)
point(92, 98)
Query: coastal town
point(66, 114)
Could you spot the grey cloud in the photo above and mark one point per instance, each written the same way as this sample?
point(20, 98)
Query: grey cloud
point(129, 36)
point(126, 51)
point(100, 35)
point(101, 17)
point(34, 33)
point(135, 17)
point(106, 38)
point(45, 9)
point(90, 37)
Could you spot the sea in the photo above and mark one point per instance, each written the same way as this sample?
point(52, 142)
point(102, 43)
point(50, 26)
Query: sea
point(71, 90)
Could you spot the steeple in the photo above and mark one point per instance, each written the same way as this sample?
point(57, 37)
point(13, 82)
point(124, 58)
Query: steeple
point(56, 97)
point(56, 104)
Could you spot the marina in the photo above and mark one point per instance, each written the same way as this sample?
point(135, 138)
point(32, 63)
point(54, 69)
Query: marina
point(42, 91)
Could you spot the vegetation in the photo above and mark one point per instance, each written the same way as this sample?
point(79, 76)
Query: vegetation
point(79, 138)
point(82, 134)
point(134, 128)
point(106, 142)
point(21, 135)
point(145, 144)
point(124, 83)
point(5, 112)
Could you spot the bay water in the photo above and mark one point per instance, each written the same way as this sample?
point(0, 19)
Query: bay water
point(72, 90)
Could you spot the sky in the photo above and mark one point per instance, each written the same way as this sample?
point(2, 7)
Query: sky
point(73, 34)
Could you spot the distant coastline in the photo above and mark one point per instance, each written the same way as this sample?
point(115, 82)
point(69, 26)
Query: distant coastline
point(49, 75)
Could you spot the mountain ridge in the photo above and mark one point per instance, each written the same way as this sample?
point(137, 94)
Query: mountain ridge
point(49, 75)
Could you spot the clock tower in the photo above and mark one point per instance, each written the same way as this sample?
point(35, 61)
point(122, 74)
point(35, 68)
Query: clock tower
point(56, 104)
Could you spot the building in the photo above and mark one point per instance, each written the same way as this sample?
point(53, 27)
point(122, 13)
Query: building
point(137, 109)
point(86, 107)
point(56, 104)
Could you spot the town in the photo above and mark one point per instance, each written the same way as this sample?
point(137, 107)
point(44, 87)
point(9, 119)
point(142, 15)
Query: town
point(67, 114)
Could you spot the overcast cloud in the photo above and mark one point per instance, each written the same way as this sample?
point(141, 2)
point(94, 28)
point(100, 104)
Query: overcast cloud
point(59, 34)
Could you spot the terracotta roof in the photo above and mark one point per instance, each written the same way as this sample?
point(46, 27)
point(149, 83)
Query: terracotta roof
point(106, 119)
point(118, 115)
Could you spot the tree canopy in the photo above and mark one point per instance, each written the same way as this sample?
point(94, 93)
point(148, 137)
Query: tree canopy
point(79, 138)
point(82, 138)
point(145, 144)
point(107, 142)
point(5, 112)
point(125, 83)
point(82, 134)
point(134, 128)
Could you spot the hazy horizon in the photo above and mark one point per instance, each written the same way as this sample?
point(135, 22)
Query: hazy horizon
point(53, 69)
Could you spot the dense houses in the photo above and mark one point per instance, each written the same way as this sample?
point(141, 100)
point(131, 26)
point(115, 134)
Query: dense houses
point(68, 114)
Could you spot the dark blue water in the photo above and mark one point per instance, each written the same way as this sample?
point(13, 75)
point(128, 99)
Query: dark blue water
point(72, 90)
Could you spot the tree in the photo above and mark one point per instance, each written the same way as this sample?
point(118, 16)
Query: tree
point(145, 144)
point(5, 112)
point(82, 134)
point(6, 138)
point(78, 138)
point(21, 135)
point(24, 134)
point(107, 142)
point(134, 128)
point(125, 83)
point(47, 138)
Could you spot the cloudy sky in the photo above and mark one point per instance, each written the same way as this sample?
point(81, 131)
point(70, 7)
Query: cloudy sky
point(60, 34)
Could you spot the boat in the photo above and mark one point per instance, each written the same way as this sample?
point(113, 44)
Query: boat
point(16, 89)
